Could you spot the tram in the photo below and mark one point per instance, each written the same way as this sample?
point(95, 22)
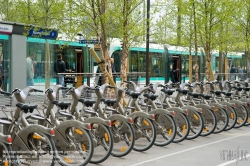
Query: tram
point(169, 62)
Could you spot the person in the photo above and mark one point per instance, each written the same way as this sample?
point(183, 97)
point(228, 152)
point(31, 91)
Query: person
point(60, 67)
point(176, 75)
point(232, 72)
point(1, 80)
point(100, 77)
point(240, 72)
point(113, 69)
point(30, 69)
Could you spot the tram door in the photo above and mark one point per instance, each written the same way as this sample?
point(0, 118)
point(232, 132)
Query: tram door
point(79, 66)
point(176, 69)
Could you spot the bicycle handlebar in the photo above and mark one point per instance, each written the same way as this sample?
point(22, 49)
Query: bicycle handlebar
point(49, 90)
point(64, 88)
point(5, 93)
point(37, 90)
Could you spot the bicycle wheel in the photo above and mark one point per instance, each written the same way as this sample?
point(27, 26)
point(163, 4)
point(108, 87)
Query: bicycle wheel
point(183, 127)
point(145, 133)
point(42, 147)
point(222, 120)
point(103, 141)
point(5, 154)
point(82, 152)
point(210, 122)
point(232, 118)
point(166, 129)
point(242, 116)
point(196, 124)
point(248, 119)
point(124, 138)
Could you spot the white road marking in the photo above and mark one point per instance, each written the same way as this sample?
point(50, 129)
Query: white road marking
point(232, 161)
point(186, 150)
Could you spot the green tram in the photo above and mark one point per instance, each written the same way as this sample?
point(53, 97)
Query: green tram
point(163, 60)
point(173, 63)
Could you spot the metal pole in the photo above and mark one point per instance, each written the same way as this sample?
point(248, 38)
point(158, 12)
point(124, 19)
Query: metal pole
point(147, 43)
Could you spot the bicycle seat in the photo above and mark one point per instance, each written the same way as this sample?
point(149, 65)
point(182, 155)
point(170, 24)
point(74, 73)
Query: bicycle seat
point(238, 88)
point(87, 102)
point(182, 91)
point(216, 92)
point(246, 88)
point(150, 96)
point(65, 113)
point(61, 104)
point(134, 95)
point(109, 102)
point(5, 121)
point(168, 91)
point(36, 116)
point(26, 107)
point(193, 94)
point(227, 93)
point(206, 96)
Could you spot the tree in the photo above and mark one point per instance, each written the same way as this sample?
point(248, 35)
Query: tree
point(42, 13)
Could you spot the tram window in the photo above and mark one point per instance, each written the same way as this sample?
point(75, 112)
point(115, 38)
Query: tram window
point(134, 61)
point(156, 66)
point(142, 62)
point(117, 58)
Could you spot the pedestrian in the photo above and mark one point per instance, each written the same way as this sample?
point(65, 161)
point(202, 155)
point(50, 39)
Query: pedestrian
point(176, 75)
point(30, 69)
point(59, 67)
point(113, 69)
point(240, 73)
point(232, 73)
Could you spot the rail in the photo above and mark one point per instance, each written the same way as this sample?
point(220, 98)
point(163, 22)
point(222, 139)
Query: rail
point(225, 76)
point(92, 79)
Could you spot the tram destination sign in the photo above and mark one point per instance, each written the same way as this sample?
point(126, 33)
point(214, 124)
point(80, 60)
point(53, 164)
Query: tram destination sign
point(88, 41)
point(43, 33)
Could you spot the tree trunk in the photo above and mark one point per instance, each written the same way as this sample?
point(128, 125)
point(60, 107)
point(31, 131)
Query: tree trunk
point(196, 66)
point(47, 65)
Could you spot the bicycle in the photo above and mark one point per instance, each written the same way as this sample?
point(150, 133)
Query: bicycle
point(164, 119)
point(72, 142)
point(181, 115)
point(121, 126)
point(220, 111)
point(229, 107)
point(195, 113)
point(30, 142)
point(100, 128)
point(142, 126)
point(233, 97)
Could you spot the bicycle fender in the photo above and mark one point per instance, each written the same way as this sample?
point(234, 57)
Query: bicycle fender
point(216, 105)
point(19, 145)
point(5, 138)
point(98, 120)
point(63, 126)
point(227, 103)
point(179, 110)
point(196, 108)
point(245, 101)
point(33, 129)
point(120, 117)
point(142, 114)
point(237, 102)
point(162, 111)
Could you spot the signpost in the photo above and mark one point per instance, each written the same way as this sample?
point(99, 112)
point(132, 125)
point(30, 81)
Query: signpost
point(43, 33)
point(95, 41)
point(6, 29)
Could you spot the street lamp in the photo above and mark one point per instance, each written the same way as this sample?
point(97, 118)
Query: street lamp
point(147, 43)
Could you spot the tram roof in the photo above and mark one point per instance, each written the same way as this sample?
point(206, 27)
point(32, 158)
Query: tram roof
point(158, 48)
point(229, 54)
point(59, 42)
